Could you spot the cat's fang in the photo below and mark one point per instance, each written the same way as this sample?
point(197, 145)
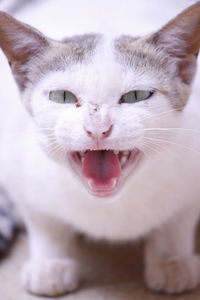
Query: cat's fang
point(82, 153)
point(126, 153)
point(123, 161)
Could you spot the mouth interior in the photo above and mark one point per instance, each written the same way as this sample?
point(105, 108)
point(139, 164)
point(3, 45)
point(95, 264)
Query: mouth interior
point(103, 170)
point(101, 167)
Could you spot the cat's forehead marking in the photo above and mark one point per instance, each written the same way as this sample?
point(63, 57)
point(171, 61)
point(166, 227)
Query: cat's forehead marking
point(60, 55)
point(73, 50)
point(136, 51)
point(82, 46)
point(143, 57)
point(123, 43)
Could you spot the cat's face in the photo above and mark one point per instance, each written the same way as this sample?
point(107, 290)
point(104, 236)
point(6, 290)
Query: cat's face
point(99, 114)
point(97, 103)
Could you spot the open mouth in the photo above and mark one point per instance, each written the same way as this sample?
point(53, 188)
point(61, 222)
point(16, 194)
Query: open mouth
point(104, 171)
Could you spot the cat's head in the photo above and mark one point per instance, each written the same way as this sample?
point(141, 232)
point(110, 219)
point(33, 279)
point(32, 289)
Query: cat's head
point(96, 102)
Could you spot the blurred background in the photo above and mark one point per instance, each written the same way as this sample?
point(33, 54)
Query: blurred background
point(58, 18)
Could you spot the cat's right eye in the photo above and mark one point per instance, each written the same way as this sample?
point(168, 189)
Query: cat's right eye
point(62, 96)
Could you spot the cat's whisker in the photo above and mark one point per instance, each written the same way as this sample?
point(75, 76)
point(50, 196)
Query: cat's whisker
point(147, 146)
point(157, 115)
point(62, 154)
point(46, 134)
point(54, 148)
point(168, 129)
point(163, 148)
point(51, 145)
point(151, 146)
point(144, 151)
point(45, 128)
point(41, 136)
point(151, 114)
point(160, 140)
point(50, 138)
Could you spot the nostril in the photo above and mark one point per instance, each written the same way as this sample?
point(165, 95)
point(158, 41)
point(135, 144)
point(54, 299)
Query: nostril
point(108, 132)
point(98, 133)
point(89, 133)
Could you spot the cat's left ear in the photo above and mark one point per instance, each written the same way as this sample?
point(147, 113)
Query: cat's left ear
point(20, 43)
point(180, 38)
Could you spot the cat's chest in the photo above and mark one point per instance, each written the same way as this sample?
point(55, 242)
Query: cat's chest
point(142, 206)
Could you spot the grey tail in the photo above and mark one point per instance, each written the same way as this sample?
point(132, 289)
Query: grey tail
point(9, 222)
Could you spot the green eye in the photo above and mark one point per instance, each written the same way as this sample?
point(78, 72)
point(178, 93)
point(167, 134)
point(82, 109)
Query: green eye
point(136, 96)
point(61, 96)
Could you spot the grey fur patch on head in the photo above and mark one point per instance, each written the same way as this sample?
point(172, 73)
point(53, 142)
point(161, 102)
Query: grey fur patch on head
point(143, 57)
point(82, 46)
point(123, 43)
point(60, 55)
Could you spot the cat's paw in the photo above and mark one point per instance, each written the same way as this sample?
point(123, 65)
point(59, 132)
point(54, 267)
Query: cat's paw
point(173, 275)
point(52, 277)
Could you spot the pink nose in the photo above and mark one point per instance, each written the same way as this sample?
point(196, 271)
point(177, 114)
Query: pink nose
point(99, 133)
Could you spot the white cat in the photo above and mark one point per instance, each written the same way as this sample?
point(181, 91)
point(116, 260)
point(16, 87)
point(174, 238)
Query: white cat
point(120, 146)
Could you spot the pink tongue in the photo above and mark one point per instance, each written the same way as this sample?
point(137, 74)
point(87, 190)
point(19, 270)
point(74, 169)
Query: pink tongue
point(101, 166)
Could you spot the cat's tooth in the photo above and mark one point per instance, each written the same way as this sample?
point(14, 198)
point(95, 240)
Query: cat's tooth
point(123, 160)
point(116, 152)
point(125, 153)
point(81, 153)
point(90, 183)
point(114, 182)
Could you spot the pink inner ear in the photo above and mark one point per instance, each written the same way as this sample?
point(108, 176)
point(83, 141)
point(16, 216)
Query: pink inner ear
point(20, 43)
point(187, 68)
point(20, 75)
point(181, 36)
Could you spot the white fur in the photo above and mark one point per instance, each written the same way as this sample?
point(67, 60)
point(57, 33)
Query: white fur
point(163, 188)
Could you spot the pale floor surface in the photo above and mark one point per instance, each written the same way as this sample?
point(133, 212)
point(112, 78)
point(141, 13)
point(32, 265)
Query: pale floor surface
point(111, 273)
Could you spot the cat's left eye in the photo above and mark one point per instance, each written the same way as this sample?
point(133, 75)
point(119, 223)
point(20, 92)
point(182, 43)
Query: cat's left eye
point(136, 96)
point(61, 96)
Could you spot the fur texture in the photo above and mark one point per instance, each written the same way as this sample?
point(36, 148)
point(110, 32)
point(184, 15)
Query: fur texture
point(159, 198)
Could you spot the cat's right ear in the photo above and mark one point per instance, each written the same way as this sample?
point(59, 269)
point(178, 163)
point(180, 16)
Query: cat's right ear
point(180, 38)
point(20, 43)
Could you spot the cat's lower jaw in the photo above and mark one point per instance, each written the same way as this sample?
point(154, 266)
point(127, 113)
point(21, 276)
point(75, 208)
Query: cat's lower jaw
point(50, 277)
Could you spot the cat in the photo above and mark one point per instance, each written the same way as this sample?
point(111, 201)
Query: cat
point(109, 147)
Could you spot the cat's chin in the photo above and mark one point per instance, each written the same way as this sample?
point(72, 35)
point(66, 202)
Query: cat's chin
point(103, 172)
